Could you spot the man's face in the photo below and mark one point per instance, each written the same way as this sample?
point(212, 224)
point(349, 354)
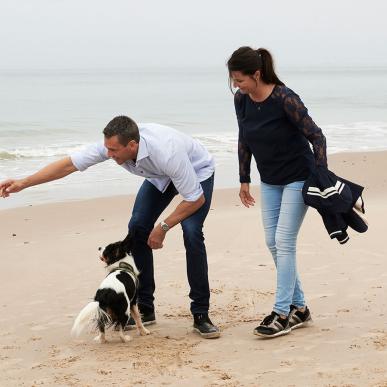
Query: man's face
point(120, 153)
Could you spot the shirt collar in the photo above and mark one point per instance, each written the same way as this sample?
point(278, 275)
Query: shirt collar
point(142, 150)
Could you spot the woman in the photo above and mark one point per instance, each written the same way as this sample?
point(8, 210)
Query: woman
point(274, 127)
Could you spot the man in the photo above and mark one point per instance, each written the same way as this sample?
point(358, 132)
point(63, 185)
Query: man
point(173, 163)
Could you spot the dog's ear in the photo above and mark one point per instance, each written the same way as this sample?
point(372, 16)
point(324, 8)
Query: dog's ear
point(127, 243)
point(131, 234)
point(128, 239)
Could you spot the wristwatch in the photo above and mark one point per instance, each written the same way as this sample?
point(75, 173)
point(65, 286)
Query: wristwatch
point(164, 226)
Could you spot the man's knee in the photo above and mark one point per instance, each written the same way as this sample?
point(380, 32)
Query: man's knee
point(139, 227)
point(192, 233)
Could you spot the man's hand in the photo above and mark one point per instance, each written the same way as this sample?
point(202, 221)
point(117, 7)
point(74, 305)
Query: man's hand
point(244, 194)
point(10, 186)
point(156, 238)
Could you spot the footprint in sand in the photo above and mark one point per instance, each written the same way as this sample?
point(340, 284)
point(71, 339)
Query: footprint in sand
point(34, 338)
point(36, 302)
point(39, 328)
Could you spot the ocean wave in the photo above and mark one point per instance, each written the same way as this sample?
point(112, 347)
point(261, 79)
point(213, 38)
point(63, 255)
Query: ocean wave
point(7, 156)
point(358, 136)
point(219, 143)
point(19, 129)
point(39, 152)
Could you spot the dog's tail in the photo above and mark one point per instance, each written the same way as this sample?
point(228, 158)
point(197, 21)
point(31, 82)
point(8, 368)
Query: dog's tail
point(90, 313)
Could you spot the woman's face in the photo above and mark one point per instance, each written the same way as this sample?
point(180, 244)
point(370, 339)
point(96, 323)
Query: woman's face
point(245, 83)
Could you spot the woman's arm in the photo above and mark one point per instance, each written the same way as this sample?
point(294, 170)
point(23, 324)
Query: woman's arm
point(244, 152)
point(298, 115)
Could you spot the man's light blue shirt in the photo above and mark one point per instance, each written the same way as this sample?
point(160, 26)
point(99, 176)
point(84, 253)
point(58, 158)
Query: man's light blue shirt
point(164, 155)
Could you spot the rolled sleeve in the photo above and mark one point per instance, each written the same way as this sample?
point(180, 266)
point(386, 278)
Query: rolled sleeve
point(181, 172)
point(92, 154)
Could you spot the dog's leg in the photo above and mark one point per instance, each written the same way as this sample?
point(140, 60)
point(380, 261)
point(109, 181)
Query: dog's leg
point(101, 337)
point(122, 320)
point(137, 319)
point(124, 338)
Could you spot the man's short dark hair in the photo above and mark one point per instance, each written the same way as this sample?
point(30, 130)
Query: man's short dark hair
point(124, 128)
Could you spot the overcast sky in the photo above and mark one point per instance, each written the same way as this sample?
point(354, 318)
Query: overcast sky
point(132, 34)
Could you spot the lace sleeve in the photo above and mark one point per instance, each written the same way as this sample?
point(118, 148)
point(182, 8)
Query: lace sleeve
point(244, 152)
point(244, 156)
point(298, 115)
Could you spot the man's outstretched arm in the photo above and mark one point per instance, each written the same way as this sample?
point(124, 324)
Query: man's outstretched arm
point(53, 171)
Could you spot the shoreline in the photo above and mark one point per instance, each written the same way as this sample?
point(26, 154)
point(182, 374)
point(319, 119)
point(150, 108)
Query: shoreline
point(344, 164)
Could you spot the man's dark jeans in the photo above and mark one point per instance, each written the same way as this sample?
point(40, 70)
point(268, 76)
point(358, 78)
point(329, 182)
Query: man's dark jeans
point(149, 204)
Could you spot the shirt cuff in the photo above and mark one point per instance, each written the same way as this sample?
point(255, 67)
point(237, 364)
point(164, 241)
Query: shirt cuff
point(192, 197)
point(75, 159)
point(244, 179)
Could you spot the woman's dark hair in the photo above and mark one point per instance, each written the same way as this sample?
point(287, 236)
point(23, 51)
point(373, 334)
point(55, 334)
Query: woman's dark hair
point(248, 61)
point(124, 128)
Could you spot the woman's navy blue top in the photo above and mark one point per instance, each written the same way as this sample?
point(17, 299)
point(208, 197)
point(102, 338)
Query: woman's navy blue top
point(277, 133)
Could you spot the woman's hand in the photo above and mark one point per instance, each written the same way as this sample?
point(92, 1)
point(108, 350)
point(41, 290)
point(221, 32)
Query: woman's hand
point(244, 194)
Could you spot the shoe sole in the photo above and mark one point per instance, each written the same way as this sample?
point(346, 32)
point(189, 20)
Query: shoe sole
point(211, 335)
point(302, 324)
point(280, 333)
point(146, 323)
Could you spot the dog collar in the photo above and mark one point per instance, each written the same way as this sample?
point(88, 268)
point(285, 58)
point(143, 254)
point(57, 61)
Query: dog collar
point(124, 266)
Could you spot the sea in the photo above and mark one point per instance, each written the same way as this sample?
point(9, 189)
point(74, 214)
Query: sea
point(45, 114)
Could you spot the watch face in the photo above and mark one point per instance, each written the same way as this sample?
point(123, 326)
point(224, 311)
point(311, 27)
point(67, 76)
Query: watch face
point(164, 226)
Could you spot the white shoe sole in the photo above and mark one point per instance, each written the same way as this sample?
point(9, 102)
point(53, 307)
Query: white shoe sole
point(211, 335)
point(302, 324)
point(280, 333)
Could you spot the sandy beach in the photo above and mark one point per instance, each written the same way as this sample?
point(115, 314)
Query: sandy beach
point(51, 270)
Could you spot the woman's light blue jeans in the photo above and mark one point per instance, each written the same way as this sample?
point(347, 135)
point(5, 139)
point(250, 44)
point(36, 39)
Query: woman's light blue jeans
point(283, 211)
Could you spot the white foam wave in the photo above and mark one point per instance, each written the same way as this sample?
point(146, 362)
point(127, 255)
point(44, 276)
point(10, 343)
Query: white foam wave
point(39, 151)
point(218, 144)
point(357, 136)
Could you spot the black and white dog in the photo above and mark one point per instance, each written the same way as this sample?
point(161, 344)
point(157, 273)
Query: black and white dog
point(116, 297)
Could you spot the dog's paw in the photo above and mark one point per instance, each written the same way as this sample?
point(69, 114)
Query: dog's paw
point(144, 332)
point(125, 338)
point(100, 339)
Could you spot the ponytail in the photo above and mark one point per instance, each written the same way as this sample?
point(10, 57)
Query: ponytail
point(248, 61)
point(267, 70)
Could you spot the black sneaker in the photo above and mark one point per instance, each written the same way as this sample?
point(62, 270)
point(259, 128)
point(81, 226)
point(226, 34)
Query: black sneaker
point(147, 317)
point(298, 319)
point(204, 326)
point(272, 326)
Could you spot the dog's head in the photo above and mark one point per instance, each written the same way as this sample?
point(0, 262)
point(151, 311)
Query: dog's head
point(117, 250)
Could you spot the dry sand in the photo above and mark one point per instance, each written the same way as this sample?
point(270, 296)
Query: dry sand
point(50, 270)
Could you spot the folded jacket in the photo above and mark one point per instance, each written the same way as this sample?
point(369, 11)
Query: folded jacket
point(335, 198)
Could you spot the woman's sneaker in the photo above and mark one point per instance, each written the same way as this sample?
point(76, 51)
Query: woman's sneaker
point(298, 319)
point(273, 326)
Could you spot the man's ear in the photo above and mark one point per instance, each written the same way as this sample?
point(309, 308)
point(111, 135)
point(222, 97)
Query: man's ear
point(132, 144)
